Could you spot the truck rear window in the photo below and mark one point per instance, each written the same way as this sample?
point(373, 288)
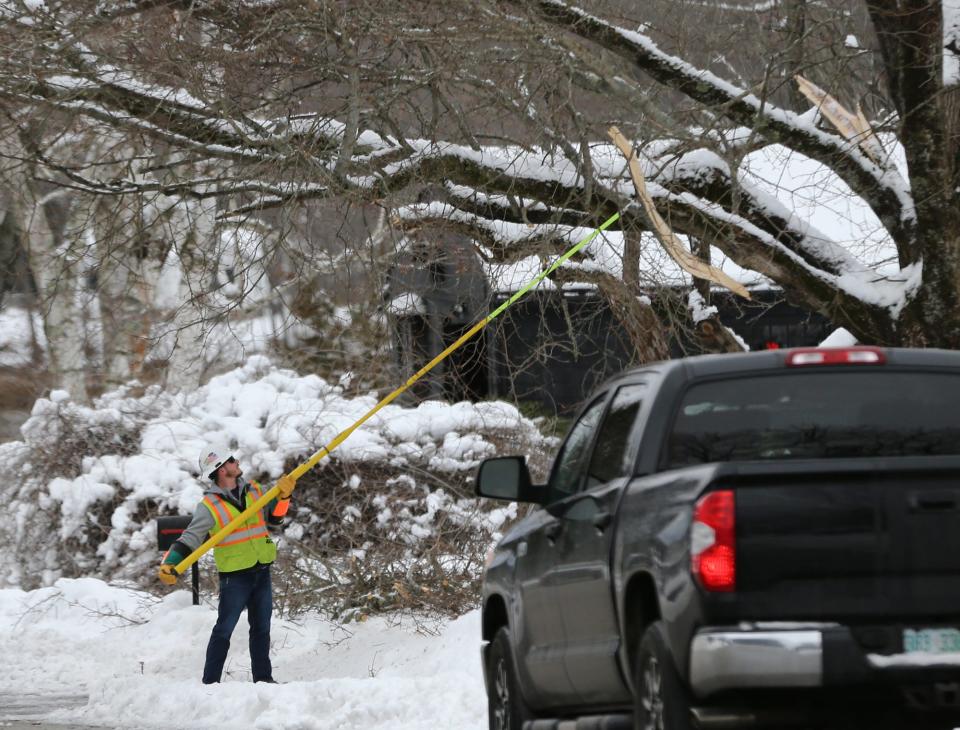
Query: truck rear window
point(803, 415)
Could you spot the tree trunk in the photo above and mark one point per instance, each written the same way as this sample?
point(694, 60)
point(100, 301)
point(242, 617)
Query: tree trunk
point(711, 333)
point(53, 231)
point(56, 264)
point(131, 252)
point(112, 226)
point(795, 29)
point(932, 319)
point(631, 259)
point(195, 228)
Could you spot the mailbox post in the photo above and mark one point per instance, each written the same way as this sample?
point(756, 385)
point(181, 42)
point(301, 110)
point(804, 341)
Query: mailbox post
point(168, 530)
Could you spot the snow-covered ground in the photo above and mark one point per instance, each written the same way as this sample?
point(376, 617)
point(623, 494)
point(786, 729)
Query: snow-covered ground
point(139, 661)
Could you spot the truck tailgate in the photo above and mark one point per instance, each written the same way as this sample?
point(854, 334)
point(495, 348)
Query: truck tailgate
point(850, 544)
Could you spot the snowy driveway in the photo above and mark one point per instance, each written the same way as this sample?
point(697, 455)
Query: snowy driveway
point(139, 660)
point(21, 711)
point(32, 725)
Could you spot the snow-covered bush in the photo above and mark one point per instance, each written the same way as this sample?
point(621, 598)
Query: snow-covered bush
point(373, 537)
point(387, 521)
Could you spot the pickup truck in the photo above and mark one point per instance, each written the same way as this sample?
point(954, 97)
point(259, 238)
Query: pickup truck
point(761, 540)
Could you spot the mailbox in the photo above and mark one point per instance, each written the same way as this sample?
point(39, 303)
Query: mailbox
point(169, 529)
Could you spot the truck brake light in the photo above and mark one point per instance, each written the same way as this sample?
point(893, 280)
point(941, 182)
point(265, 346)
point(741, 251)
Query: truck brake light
point(712, 542)
point(836, 356)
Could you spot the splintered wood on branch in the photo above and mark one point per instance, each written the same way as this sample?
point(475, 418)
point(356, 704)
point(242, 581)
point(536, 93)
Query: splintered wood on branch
point(664, 234)
point(854, 127)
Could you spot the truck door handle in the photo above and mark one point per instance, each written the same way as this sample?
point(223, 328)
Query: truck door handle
point(602, 520)
point(553, 531)
point(945, 501)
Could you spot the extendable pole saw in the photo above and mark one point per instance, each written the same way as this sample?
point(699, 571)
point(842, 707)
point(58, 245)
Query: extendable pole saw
point(341, 437)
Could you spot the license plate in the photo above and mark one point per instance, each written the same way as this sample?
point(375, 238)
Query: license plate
point(931, 641)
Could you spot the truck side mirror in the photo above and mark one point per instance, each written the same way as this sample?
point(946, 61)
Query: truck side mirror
point(508, 478)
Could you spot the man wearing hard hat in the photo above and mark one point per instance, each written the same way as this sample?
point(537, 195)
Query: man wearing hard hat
point(243, 558)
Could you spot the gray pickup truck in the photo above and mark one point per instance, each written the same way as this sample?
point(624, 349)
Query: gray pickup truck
point(760, 540)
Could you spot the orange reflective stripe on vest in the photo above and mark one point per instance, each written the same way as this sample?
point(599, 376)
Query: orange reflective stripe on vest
point(219, 510)
point(222, 516)
point(244, 535)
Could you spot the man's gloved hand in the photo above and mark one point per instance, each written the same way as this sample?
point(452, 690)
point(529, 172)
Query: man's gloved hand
point(167, 574)
point(286, 484)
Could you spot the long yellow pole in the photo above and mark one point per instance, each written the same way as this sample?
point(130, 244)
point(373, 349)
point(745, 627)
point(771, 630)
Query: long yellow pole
point(341, 437)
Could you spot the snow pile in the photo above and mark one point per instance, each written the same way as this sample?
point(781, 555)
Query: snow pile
point(86, 483)
point(132, 660)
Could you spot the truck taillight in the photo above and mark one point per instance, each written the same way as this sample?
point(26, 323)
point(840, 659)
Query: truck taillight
point(712, 542)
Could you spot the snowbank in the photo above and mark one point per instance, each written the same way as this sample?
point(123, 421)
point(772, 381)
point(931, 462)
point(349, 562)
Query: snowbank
point(139, 659)
point(96, 477)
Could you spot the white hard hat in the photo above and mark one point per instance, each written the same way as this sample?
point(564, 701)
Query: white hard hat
point(212, 458)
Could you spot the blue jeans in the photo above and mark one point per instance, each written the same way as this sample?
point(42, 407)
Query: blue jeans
point(249, 590)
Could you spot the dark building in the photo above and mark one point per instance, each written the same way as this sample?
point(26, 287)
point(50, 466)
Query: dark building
point(555, 348)
point(549, 347)
point(769, 322)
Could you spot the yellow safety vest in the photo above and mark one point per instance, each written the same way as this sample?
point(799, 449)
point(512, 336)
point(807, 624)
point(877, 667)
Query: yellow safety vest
point(250, 543)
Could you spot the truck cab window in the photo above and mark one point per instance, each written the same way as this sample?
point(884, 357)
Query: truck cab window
point(571, 461)
point(606, 463)
point(817, 415)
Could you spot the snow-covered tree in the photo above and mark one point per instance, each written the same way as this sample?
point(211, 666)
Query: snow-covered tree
point(492, 118)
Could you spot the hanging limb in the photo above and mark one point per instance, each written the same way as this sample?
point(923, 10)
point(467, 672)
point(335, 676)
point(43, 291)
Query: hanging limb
point(274, 491)
point(664, 234)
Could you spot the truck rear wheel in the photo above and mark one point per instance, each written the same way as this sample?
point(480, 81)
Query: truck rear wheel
point(505, 706)
point(660, 701)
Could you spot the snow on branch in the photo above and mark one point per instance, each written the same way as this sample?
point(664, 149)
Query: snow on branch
point(764, 235)
point(542, 191)
point(501, 185)
point(502, 241)
point(877, 298)
point(796, 255)
point(881, 186)
point(162, 115)
point(195, 188)
point(512, 208)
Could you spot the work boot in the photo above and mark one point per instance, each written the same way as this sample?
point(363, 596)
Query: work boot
point(268, 680)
